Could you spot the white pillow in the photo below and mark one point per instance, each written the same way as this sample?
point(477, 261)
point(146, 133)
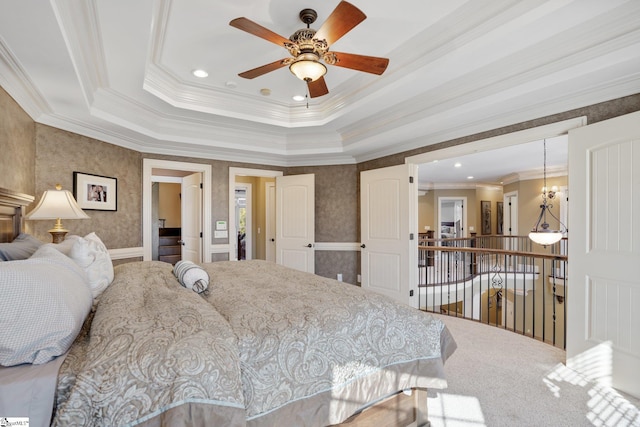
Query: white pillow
point(92, 255)
point(45, 300)
point(63, 247)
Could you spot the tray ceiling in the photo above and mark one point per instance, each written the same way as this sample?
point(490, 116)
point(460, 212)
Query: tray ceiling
point(121, 71)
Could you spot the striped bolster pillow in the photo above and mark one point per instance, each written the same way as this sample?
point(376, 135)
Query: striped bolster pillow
point(191, 276)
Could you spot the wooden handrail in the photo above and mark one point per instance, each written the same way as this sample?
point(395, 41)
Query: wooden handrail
point(494, 251)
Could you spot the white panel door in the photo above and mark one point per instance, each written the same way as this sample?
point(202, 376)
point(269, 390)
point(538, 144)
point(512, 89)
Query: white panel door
point(389, 255)
point(270, 221)
point(603, 293)
point(295, 221)
point(191, 201)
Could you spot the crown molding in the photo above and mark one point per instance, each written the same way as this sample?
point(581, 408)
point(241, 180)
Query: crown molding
point(430, 186)
point(19, 85)
point(552, 172)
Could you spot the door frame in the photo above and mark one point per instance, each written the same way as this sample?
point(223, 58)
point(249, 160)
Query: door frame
point(147, 202)
point(464, 213)
point(233, 172)
point(248, 217)
point(270, 221)
point(510, 229)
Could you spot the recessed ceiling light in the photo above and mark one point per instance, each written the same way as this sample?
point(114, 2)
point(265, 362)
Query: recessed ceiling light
point(299, 97)
point(470, 177)
point(231, 84)
point(265, 91)
point(200, 73)
point(457, 165)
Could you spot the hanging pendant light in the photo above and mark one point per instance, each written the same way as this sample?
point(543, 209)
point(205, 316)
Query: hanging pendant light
point(541, 233)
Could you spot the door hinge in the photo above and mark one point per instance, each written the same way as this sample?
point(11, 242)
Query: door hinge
point(201, 186)
point(410, 180)
point(201, 234)
point(410, 236)
point(411, 293)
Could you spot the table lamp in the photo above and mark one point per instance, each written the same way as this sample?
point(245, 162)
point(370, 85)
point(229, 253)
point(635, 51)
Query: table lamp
point(57, 204)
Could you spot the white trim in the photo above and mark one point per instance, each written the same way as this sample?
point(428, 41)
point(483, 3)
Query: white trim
point(500, 141)
point(169, 179)
point(441, 199)
point(233, 172)
point(124, 253)
point(135, 252)
point(270, 221)
point(247, 187)
point(147, 173)
point(337, 246)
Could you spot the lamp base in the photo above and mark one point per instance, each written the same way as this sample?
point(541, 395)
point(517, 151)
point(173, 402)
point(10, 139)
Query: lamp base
point(57, 236)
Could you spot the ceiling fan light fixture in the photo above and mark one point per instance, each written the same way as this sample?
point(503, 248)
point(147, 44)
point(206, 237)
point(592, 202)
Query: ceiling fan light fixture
point(307, 67)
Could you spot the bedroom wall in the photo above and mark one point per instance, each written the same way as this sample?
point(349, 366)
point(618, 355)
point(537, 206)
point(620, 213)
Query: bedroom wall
point(59, 153)
point(337, 212)
point(337, 218)
point(17, 147)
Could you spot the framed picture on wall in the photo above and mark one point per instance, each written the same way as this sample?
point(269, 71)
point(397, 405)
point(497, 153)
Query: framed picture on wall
point(95, 192)
point(485, 209)
point(499, 218)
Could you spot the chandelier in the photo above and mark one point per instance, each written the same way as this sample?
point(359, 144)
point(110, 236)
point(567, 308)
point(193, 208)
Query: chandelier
point(541, 233)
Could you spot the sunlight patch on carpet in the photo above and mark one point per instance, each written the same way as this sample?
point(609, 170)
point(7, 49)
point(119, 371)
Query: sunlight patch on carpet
point(454, 410)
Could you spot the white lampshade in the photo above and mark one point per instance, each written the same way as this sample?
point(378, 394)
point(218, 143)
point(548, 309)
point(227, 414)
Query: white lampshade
point(57, 204)
point(308, 69)
point(545, 237)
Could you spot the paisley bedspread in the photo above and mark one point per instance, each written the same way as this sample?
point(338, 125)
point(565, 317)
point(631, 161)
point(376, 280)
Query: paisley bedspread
point(265, 346)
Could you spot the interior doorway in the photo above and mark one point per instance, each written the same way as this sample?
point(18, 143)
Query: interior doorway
point(244, 224)
point(262, 230)
point(154, 169)
point(452, 217)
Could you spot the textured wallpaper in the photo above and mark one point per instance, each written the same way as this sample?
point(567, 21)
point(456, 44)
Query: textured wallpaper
point(36, 157)
point(60, 153)
point(17, 147)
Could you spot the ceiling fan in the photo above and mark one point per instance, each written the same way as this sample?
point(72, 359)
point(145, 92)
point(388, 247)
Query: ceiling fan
point(308, 47)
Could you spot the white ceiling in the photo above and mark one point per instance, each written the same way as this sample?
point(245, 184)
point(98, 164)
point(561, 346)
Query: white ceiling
point(121, 71)
point(499, 166)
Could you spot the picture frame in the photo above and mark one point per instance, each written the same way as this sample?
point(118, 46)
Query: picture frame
point(485, 209)
point(499, 217)
point(95, 192)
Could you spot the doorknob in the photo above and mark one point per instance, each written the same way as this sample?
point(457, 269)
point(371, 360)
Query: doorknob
point(181, 242)
point(309, 245)
point(273, 240)
point(363, 246)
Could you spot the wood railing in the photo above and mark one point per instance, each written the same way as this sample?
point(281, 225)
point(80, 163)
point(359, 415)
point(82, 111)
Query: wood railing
point(506, 281)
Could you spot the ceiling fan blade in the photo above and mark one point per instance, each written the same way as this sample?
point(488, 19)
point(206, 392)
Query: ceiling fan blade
point(257, 72)
point(343, 18)
point(251, 27)
point(368, 64)
point(317, 88)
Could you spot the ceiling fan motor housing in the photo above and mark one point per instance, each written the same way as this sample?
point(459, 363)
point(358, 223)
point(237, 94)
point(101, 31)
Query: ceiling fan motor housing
point(308, 16)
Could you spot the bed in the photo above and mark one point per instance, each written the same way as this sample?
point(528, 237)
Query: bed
point(264, 345)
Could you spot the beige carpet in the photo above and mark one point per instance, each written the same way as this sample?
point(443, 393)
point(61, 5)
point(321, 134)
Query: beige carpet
point(499, 378)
